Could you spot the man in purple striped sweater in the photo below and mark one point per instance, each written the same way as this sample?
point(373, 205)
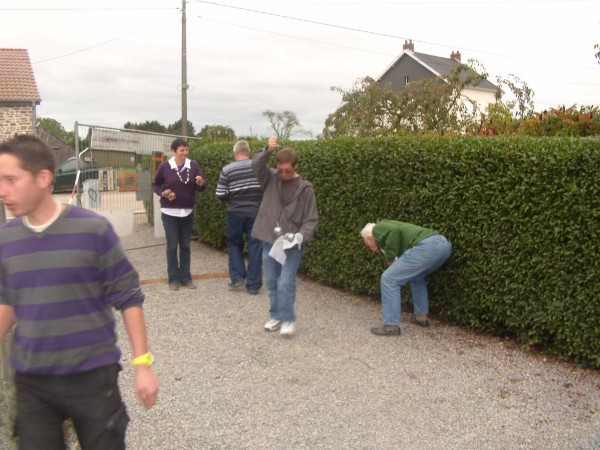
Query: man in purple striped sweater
point(62, 271)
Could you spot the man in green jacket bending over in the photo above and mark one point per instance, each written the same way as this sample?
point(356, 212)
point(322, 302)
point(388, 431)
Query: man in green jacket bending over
point(411, 253)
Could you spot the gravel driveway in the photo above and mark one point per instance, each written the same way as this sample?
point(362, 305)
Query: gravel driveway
point(226, 383)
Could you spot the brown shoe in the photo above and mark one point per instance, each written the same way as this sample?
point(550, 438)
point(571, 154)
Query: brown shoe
point(386, 330)
point(174, 285)
point(190, 285)
point(421, 323)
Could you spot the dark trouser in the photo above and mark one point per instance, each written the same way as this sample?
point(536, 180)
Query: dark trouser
point(91, 399)
point(178, 232)
point(238, 225)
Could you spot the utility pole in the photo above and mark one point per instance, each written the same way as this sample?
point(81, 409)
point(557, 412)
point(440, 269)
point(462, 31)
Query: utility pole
point(184, 85)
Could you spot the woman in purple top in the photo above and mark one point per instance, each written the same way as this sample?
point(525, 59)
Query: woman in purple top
point(176, 182)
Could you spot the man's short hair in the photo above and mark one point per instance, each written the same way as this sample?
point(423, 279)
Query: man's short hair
point(287, 155)
point(33, 153)
point(242, 147)
point(178, 143)
point(367, 230)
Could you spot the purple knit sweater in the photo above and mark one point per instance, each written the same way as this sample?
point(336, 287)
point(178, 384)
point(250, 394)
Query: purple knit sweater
point(64, 284)
point(166, 178)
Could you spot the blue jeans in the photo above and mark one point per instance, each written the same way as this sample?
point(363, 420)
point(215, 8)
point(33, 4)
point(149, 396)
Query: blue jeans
point(281, 283)
point(238, 225)
point(178, 231)
point(412, 267)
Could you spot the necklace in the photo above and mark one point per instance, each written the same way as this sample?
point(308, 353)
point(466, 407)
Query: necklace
point(181, 179)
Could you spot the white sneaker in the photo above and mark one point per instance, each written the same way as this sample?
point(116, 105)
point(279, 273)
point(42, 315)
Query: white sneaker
point(287, 328)
point(272, 325)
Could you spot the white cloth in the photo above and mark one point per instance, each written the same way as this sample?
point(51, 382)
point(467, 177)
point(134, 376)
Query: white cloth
point(282, 243)
point(277, 252)
point(298, 239)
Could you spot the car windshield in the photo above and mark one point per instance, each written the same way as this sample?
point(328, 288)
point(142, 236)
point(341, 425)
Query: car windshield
point(69, 165)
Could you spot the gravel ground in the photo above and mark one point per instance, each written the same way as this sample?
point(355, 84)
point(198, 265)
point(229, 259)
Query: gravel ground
point(226, 383)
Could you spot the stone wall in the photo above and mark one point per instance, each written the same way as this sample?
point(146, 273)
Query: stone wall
point(15, 119)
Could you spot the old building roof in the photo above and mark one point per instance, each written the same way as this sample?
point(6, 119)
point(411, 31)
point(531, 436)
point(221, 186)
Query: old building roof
point(437, 65)
point(17, 83)
point(443, 66)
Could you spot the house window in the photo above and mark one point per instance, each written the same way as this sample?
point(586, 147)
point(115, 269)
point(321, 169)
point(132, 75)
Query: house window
point(406, 79)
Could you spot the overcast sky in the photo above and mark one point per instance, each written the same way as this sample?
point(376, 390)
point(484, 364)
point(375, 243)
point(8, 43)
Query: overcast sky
point(109, 62)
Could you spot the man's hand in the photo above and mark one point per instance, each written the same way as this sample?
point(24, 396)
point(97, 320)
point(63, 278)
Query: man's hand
point(146, 385)
point(272, 145)
point(7, 320)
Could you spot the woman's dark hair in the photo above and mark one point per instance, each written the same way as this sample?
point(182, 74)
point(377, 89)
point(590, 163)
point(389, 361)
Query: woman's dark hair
point(178, 143)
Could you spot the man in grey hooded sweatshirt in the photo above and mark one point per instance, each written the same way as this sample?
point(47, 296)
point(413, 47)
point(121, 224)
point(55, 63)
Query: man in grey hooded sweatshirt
point(287, 219)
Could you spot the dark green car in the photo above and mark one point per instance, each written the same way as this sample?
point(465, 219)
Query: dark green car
point(66, 172)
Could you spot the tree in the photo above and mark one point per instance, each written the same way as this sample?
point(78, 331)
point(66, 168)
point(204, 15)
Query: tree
point(507, 114)
point(439, 106)
point(175, 128)
point(497, 119)
point(521, 105)
point(216, 133)
point(285, 124)
point(597, 47)
point(55, 128)
point(428, 105)
point(366, 110)
point(148, 125)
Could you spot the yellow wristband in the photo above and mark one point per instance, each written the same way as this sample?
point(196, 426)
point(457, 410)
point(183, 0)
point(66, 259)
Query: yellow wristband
point(144, 360)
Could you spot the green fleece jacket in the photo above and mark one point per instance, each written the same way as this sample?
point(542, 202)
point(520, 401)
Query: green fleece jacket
point(394, 237)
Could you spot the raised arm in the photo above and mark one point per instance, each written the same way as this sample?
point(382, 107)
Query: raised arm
point(260, 162)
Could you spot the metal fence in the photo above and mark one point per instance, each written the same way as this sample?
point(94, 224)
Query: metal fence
point(116, 169)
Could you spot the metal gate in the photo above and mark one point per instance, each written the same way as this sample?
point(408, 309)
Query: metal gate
point(115, 170)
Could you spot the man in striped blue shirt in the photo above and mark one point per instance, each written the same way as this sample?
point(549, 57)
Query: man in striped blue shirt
point(62, 271)
point(240, 190)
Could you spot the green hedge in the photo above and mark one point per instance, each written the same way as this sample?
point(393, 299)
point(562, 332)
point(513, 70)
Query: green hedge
point(522, 214)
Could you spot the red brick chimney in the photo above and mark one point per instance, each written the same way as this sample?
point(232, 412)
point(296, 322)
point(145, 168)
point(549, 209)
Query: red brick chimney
point(408, 45)
point(455, 55)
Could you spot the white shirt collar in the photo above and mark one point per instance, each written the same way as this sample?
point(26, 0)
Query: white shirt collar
point(186, 165)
